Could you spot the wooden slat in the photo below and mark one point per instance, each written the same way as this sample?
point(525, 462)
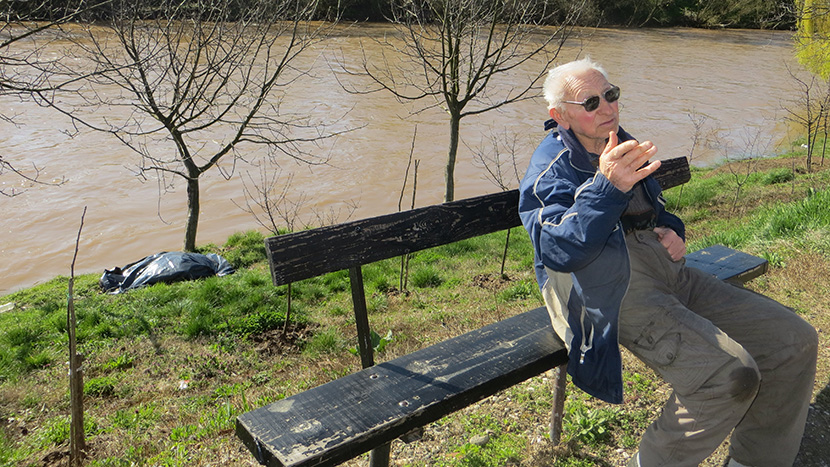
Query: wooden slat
point(727, 264)
point(339, 420)
point(673, 172)
point(319, 251)
point(314, 252)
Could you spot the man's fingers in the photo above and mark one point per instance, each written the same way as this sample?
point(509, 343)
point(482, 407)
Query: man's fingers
point(647, 170)
point(626, 163)
point(612, 141)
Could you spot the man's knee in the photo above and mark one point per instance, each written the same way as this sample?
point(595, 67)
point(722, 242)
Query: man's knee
point(799, 344)
point(809, 339)
point(744, 383)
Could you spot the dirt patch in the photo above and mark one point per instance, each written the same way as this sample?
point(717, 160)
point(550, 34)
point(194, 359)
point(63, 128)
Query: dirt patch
point(280, 342)
point(490, 281)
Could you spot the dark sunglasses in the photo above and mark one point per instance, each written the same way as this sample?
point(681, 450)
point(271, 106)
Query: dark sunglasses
point(592, 103)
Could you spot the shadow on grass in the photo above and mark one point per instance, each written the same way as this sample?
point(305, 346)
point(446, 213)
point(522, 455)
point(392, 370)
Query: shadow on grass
point(815, 446)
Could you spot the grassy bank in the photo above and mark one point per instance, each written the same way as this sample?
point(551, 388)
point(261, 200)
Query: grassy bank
point(169, 367)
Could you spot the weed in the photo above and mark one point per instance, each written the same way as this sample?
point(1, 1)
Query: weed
point(774, 259)
point(56, 431)
point(503, 450)
point(638, 382)
point(382, 284)
point(521, 291)
point(328, 341)
point(261, 378)
point(183, 432)
point(777, 176)
point(100, 387)
point(377, 303)
point(426, 277)
point(121, 362)
point(31, 400)
point(589, 426)
point(378, 343)
point(142, 417)
point(576, 462)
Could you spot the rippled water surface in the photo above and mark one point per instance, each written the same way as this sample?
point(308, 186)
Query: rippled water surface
point(738, 79)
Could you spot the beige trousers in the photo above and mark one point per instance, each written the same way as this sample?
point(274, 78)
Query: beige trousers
point(735, 360)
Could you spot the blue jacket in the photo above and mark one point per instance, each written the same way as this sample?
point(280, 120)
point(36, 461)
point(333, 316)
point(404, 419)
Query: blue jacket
point(572, 213)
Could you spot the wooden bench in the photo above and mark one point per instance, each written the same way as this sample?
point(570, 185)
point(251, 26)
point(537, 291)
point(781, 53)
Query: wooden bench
point(344, 418)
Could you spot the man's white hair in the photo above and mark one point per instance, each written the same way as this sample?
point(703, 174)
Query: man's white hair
point(554, 86)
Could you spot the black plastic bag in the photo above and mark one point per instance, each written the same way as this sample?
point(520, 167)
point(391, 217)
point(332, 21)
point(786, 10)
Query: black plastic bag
point(164, 267)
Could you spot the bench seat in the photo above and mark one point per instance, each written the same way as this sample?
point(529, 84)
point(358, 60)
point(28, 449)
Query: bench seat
point(339, 420)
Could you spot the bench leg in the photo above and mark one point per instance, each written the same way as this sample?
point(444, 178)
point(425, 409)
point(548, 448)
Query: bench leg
point(559, 381)
point(379, 457)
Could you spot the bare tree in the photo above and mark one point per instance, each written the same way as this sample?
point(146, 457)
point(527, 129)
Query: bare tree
point(810, 110)
point(404, 276)
point(269, 202)
point(452, 55)
point(502, 171)
point(277, 207)
point(742, 162)
point(699, 137)
point(500, 159)
point(203, 83)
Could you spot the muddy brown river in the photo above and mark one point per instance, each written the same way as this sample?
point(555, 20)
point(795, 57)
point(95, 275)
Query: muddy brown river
point(739, 80)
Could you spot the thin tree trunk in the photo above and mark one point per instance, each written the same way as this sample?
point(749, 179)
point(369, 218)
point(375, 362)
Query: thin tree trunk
point(77, 444)
point(449, 179)
point(193, 207)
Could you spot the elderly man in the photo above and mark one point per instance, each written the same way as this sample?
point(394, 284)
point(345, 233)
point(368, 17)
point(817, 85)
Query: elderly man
point(609, 261)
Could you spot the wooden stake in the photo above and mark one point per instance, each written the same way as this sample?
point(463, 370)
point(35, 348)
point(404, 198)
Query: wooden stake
point(77, 445)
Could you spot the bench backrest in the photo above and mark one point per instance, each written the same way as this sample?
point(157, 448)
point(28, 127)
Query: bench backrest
point(301, 255)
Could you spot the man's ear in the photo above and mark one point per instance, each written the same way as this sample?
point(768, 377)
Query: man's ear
point(560, 118)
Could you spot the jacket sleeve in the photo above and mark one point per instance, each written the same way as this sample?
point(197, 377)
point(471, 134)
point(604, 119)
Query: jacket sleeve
point(569, 222)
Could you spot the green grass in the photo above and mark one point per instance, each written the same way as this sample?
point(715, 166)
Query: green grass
point(170, 366)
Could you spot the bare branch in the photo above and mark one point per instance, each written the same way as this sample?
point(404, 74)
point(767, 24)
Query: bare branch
point(203, 85)
point(467, 57)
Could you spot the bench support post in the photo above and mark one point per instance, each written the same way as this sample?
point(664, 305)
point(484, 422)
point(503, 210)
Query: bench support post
point(361, 317)
point(379, 457)
point(559, 382)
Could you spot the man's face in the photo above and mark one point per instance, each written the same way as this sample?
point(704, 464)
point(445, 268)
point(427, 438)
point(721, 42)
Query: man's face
point(590, 128)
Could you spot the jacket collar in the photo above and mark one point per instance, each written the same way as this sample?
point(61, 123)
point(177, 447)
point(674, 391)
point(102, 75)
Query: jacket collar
point(580, 157)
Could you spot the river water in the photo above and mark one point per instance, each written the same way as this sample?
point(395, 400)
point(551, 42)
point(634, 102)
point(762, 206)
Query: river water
point(738, 80)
